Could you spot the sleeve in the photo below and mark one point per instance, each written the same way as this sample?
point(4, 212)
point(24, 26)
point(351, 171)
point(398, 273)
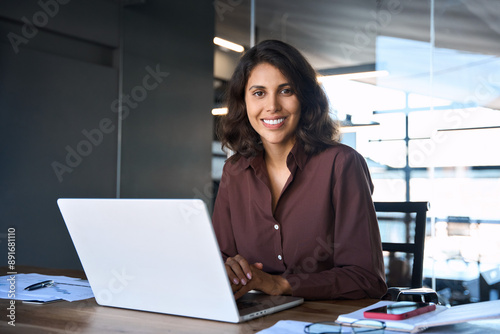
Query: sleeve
point(221, 218)
point(358, 270)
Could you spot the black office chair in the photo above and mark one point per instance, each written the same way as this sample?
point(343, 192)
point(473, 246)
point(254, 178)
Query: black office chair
point(402, 227)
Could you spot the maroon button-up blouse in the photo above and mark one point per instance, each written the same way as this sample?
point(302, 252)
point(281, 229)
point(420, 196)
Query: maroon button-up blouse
point(323, 236)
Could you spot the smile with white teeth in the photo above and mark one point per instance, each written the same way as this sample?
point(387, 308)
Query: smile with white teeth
point(273, 121)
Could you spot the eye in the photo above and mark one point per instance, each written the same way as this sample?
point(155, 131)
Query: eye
point(286, 91)
point(258, 93)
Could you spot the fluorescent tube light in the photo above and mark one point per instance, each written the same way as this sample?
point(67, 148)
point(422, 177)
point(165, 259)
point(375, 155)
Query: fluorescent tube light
point(228, 45)
point(219, 111)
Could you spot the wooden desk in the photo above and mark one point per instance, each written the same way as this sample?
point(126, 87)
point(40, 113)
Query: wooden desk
point(88, 317)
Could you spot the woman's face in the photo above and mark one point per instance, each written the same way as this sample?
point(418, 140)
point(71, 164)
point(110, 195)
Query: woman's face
point(273, 108)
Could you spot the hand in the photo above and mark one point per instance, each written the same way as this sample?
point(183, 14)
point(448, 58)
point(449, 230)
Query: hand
point(238, 270)
point(245, 277)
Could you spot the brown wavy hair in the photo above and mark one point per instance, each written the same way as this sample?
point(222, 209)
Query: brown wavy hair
point(316, 130)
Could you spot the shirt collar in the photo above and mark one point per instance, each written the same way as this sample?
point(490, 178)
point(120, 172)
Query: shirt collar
point(297, 155)
point(243, 162)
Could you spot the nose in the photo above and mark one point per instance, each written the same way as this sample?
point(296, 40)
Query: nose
point(273, 103)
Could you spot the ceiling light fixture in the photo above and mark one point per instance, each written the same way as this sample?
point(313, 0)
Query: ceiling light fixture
point(355, 76)
point(219, 111)
point(228, 45)
point(355, 72)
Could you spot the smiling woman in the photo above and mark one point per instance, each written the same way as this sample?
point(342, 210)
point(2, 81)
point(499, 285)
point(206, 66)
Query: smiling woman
point(294, 213)
point(316, 129)
point(273, 108)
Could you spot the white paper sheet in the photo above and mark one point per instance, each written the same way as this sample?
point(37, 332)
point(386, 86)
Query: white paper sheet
point(65, 288)
point(292, 327)
point(441, 316)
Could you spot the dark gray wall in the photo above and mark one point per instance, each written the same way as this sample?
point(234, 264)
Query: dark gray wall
point(60, 86)
point(167, 136)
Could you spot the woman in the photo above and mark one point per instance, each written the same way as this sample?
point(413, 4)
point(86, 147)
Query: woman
point(294, 213)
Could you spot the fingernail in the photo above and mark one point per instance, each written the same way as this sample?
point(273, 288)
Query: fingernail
point(243, 281)
point(235, 281)
point(249, 276)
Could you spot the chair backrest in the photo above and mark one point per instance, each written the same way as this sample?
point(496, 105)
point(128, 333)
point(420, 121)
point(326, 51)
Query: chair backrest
point(408, 218)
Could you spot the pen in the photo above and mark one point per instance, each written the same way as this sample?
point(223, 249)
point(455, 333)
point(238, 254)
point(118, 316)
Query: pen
point(39, 285)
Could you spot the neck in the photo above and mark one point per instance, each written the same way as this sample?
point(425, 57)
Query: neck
point(276, 155)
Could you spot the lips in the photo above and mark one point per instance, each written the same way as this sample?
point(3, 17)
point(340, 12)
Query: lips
point(273, 123)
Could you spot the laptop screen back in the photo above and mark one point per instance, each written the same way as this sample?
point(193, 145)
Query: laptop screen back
point(151, 254)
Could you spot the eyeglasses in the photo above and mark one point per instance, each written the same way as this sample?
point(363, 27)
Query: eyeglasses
point(360, 326)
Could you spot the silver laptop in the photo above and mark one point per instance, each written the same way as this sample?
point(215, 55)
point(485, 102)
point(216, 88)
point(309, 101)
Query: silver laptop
point(158, 255)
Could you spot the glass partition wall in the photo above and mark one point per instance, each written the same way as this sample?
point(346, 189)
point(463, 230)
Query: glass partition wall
point(424, 110)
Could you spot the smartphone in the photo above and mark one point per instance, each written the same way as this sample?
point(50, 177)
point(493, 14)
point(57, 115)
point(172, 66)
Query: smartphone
point(399, 310)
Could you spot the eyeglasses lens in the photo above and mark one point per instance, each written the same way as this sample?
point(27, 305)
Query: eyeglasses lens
point(323, 328)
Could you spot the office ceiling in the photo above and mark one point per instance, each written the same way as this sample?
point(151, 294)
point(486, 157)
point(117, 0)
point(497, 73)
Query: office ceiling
point(320, 27)
point(342, 33)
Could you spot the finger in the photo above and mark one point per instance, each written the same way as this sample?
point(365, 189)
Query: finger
point(231, 275)
point(245, 266)
point(241, 292)
point(235, 266)
point(258, 265)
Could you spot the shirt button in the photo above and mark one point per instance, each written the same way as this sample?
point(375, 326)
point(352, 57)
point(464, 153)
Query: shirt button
point(280, 257)
point(276, 226)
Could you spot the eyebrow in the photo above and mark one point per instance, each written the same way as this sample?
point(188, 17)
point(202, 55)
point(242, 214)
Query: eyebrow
point(263, 87)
